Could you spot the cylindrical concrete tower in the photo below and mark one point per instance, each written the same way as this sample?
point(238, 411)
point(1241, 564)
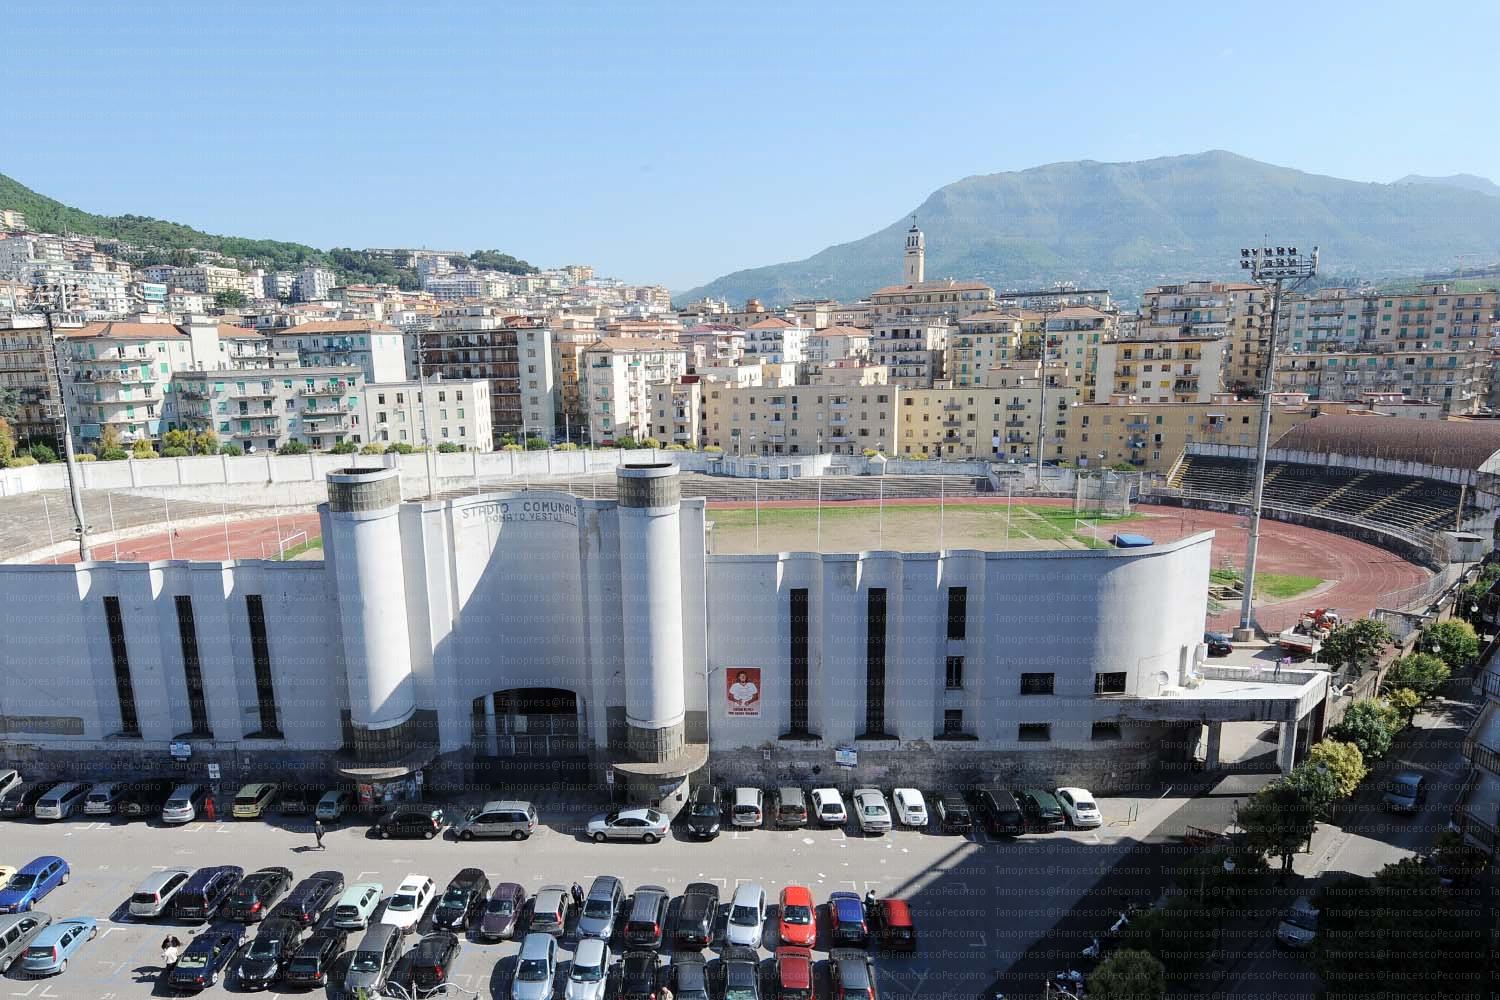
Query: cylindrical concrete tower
point(651, 595)
point(371, 586)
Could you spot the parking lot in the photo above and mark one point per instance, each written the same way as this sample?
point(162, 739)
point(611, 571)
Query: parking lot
point(977, 902)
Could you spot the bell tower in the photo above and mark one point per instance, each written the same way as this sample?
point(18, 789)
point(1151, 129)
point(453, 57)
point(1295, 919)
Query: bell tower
point(915, 257)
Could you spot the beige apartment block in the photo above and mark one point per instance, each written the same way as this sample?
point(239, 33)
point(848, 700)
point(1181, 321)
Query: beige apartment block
point(995, 424)
point(1190, 310)
point(983, 341)
point(800, 419)
point(1458, 380)
point(454, 413)
point(837, 343)
point(618, 380)
point(1249, 336)
point(1178, 369)
point(677, 411)
point(913, 348)
point(1434, 318)
point(1074, 334)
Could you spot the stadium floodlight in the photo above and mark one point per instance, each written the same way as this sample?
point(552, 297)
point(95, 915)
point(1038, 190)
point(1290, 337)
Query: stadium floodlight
point(1273, 268)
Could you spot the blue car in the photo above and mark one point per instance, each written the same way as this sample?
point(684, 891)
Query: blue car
point(203, 961)
point(50, 950)
point(846, 919)
point(27, 886)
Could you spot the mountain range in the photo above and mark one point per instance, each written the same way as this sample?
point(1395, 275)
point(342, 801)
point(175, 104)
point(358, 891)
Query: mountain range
point(1128, 226)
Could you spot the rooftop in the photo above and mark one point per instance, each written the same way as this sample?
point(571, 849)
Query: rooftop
point(1453, 444)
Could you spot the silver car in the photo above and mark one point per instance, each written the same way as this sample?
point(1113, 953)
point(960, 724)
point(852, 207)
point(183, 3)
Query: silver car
point(152, 897)
point(184, 804)
point(16, 932)
point(589, 972)
point(536, 967)
point(374, 959)
point(642, 824)
point(601, 907)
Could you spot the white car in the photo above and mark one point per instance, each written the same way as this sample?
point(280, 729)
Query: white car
point(828, 806)
point(1078, 804)
point(589, 971)
point(747, 914)
point(870, 809)
point(103, 798)
point(409, 902)
point(911, 810)
point(647, 825)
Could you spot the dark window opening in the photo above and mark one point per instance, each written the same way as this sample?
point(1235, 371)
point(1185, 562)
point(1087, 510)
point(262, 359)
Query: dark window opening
point(953, 722)
point(953, 678)
point(798, 688)
point(1034, 732)
point(1110, 683)
point(130, 722)
point(192, 669)
point(1036, 683)
point(875, 664)
point(265, 690)
point(958, 612)
point(1106, 731)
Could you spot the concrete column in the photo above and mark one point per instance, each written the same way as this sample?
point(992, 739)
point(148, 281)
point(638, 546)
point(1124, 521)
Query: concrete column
point(1286, 751)
point(1211, 754)
point(651, 599)
point(491, 728)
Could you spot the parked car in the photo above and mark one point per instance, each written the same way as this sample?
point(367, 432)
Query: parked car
point(275, 945)
point(374, 959)
point(739, 974)
point(640, 975)
point(601, 908)
point(648, 825)
point(185, 804)
point(797, 922)
point(49, 951)
point(462, 902)
point(1041, 810)
point(145, 798)
point(748, 811)
point(503, 818)
point(61, 800)
point(20, 800)
point(334, 804)
point(409, 903)
point(846, 920)
point(10, 778)
point(705, 811)
point(296, 800)
point(1404, 793)
point(315, 958)
point(747, 915)
point(311, 897)
point(953, 815)
point(870, 810)
point(851, 974)
point(911, 808)
point(588, 973)
point(696, 915)
point(536, 966)
point(892, 925)
point(252, 801)
point(1299, 924)
point(998, 812)
point(1218, 643)
point(103, 798)
point(6, 871)
point(550, 909)
point(32, 882)
point(206, 956)
point(648, 917)
point(206, 891)
point(257, 893)
point(790, 810)
point(689, 975)
point(154, 896)
point(357, 905)
point(828, 805)
point(17, 933)
point(409, 821)
point(501, 912)
point(1078, 804)
point(794, 973)
point(433, 959)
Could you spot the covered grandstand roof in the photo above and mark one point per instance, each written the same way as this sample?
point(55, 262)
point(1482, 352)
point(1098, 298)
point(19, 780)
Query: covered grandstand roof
point(1453, 444)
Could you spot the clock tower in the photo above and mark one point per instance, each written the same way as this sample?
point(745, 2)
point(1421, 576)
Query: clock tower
point(915, 257)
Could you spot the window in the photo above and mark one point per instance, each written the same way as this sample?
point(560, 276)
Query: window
point(798, 687)
point(875, 663)
point(130, 723)
point(187, 634)
point(1110, 683)
point(1036, 683)
point(958, 612)
point(260, 651)
point(954, 674)
point(1034, 732)
point(1105, 731)
point(953, 722)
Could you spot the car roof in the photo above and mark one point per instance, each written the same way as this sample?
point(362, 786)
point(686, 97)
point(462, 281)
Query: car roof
point(847, 906)
point(35, 865)
point(360, 888)
point(828, 793)
point(413, 881)
point(254, 786)
point(467, 878)
point(703, 888)
point(157, 879)
point(377, 935)
point(278, 925)
point(641, 957)
point(604, 885)
point(536, 945)
point(749, 890)
point(1408, 777)
point(854, 968)
point(786, 791)
point(437, 939)
point(505, 804)
point(503, 889)
point(797, 894)
point(896, 911)
point(1077, 792)
point(589, 950)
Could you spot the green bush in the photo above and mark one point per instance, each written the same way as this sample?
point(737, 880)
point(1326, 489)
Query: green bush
point(511, 447)
point(1424, 673)
point(714, 449)
point(373, 448)
point(293, 448)
point(176, 452)
point(399, 448)
point(674, 447)
point(1128, 974)
point(344, 448)
point(1370, 725)
point(567, 446)
point(143, 451)
point(1454, 640)
point(85, 456)
point(43, 454)
point(449, 447)
point(20, 462)
point(231, 449)
point(1180, 934)
point(651, 442)
point(113, 454)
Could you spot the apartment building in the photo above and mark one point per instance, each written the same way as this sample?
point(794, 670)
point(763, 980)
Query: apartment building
point(1458, 379)
point(677, 411)
point(1074, 334)
point(982, 341)
point(207, 279)
point(26, 369)
point(776, 340)
point(800, 419)
point(913, 348)
point(617, 379)
point(312, 284)
point(833, 344)
point(1249, 336)
point(712, 345)
point(1176, 369)
point(1191, 310)
point(1433, 318)
point(468, 285)
point(995, 424)
point(10, 218)
point(375, 348)
point(455, 413)
point(515, 354)
point(567, 350)
point(536, 373)
point(260, 410)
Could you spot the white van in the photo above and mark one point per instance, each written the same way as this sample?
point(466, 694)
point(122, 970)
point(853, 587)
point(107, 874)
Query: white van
point(748, 807)
point(103, 798)
point(62, 800)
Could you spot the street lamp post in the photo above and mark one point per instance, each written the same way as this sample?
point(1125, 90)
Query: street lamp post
point(1273, 268)
point(75, 495)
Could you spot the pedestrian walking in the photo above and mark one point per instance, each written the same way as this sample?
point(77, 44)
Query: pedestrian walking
point(577, 896)
point(665, 993)
point(209, 810)
point(318, 832)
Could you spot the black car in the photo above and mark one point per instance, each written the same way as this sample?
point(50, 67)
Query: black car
point(275, 945)
point(409, 821)
point(463, 901)
point(20, 801)
point(256, 893)
point(432, 960)
point(852, 974)
point(310, 897)
point(202, 895)
point(689, 976)
point(144, 799)
point(953, 815)
point(297, 800)
point(204, 959)
point(705, 812)
point(640, 975)
point(311, 964)
point(739, 972)
point(1218, 643)
point(1041, 809)
point(696, 915)
point(998, 811)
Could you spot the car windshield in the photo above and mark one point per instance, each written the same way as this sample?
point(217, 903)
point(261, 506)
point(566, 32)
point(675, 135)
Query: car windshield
point(501, 906)
point(402, 901)
point(532, 970)
point(652, 816)
point(705, 809)
point(796, 914)
point(177, 803)
point(365, 961)
point(874, 809)
point(1301, 919)
point(20, 883)
point(1083, 805)
point(246, 800)
point(455, 897)
point(586, 973)
point(264, 948)
point(743, 915)
point(597, 908)
point(192, 960)
point(832, 809)
point(612, 818)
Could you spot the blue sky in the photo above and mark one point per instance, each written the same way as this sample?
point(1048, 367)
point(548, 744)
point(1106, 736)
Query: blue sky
point(674, 142)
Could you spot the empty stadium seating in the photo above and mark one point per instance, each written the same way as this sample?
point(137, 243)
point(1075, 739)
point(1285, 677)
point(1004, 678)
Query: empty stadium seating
point(834, 488)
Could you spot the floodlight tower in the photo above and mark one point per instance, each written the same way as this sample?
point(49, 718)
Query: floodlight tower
point(1273, 268)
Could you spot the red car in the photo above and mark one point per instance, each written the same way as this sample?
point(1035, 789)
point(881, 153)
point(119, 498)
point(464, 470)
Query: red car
point(798, 918)
point(893, 925)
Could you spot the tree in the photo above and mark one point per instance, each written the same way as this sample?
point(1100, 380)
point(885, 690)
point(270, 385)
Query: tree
point(10, 404)
point(1406, 701)
point(231, 299)
point(115, 454)
point(205, 442)
point(373, 448)
point(231, 449)
point(1370, 726)
point(177, 440)
point(1422, 673)
point(626, 442)
point(1350, 645)
point(1180, 934)
point(1128, 974)
point(142, 449)
point(449, 447)
point(1343, 761)
point(7, 441)
point(42, 453)
point(1279, 819)
point(651, 442)
point(344, 448)
point(109, 438)
point(292, 448)
point(1454, 640)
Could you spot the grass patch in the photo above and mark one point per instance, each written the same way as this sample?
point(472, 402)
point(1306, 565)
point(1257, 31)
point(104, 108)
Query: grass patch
point(1270, 586)
point(296, 550)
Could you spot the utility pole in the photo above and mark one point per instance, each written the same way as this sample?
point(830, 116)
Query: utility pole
point(1041, 417)
point(422, 398)
point(1271, 268)
point(75, 494)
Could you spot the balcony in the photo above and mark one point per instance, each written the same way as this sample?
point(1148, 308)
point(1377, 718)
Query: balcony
point(327, 409)
point(331, 389)
point(1015, 406)
point(1137, 425)
point(193, 392)
point(838, 421)
point(840, 439)
point(1185, 385)
point(253, 392)
point(953, 407)
point(1015, 423)
point(953, 422)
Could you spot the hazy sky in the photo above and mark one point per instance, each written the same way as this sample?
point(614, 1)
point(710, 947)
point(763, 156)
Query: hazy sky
point(674, 142)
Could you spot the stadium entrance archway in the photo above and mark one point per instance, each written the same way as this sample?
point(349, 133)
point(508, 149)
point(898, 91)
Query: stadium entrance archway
point(530, 723)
